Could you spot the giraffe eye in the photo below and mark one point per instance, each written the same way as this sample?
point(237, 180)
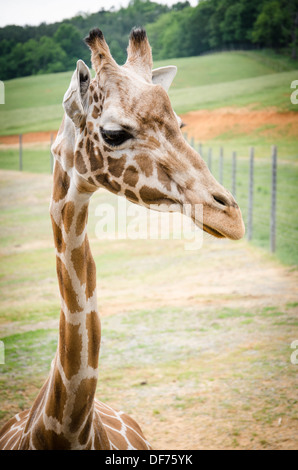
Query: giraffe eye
point(115, 138)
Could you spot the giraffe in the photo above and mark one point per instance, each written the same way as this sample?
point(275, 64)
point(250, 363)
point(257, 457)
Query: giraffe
point(119, 132)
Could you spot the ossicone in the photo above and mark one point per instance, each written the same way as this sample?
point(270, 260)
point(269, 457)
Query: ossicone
point(94, 34)
point(138, 35)
point(139, 56)
point(100, 52)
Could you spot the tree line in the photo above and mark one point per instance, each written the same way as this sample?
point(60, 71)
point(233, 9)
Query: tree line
point(177, 31)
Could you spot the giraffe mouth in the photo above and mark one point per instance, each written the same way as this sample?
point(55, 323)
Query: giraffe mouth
point(206, 228)
point(212, 231)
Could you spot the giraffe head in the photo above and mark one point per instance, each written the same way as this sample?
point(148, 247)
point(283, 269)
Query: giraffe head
point(126, 137)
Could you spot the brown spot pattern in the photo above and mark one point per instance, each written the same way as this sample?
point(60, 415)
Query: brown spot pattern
point(91, 180)
point(145, 164)
point(44, 439)
point(83, 403)
point(67, 215)
point(131, 176)
point(66, 289)
point(151, 195)
point(58, 396)
point(116, 165)
point(58, 237)
point(95, 112)
point(83, 124)
point(93, 331)
point(95, 156)
point(90, 126)
point(82, 219)
point(79, 163)
point(113, 422)
point(130, 195)
point(104, 180)
point(70, 347)
point(100, 435)
point(163, 177)
point(61, 182)
point(121, 442)
point(151, 142)
point(84, 266)
point(84, 435)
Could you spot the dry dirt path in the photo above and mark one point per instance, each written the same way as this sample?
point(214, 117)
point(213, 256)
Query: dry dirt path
point(206, 124)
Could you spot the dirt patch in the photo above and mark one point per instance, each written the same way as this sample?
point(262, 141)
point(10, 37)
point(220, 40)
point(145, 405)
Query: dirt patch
point(205, 125)
point(30, 138)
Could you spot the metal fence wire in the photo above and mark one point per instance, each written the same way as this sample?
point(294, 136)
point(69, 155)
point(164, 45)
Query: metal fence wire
point(264, 190)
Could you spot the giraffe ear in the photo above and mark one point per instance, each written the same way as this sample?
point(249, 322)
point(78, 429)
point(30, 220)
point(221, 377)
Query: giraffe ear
point(74, 101)
point(164, 76)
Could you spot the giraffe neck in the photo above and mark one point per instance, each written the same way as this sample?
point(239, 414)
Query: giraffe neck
point(63, 415)
point(79, 329)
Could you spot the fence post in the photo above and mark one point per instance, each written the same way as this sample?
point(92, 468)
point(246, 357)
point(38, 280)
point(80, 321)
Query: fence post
point(200, 149)
point(221, 165)
point(234, 173)
point(51, 155)
point(20, 152)
point(210, 159)
point(273, 201)
point(250, 194)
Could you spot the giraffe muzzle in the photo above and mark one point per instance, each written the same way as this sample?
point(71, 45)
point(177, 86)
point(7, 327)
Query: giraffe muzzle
point(218, 214)
point(222, 217)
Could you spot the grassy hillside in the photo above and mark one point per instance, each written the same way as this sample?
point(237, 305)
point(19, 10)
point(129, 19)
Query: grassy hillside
point(245, 78)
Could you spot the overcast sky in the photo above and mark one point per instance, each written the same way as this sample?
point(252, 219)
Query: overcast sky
point(34, 12)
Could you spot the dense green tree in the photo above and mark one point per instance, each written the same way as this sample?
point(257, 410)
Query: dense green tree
point(69, 38)
point(177, 31)
point(49, 53)
point(273, 25)
point(198, 27)
point(180, 6)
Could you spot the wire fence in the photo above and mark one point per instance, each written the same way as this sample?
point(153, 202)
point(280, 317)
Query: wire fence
point(265, 189)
